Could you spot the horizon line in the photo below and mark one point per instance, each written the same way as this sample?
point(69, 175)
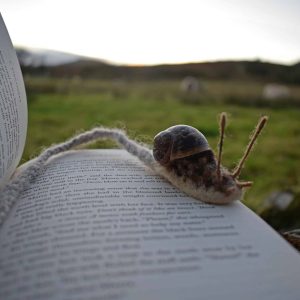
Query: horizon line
point(125, 64)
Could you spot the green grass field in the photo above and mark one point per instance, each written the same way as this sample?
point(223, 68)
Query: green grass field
point(59, 109)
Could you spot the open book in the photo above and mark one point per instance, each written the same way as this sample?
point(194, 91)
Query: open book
point(98, 224)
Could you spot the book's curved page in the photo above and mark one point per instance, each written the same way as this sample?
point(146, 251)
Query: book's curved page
point(99, 225)
point(13, 108)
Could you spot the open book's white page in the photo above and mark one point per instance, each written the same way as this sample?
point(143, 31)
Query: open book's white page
point(13, 108)
point(98, 225)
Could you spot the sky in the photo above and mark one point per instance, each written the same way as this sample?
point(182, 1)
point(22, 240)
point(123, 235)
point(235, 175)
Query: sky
point(159, 31)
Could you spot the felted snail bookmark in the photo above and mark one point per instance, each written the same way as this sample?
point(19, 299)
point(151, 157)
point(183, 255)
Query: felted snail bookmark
point(181, 154)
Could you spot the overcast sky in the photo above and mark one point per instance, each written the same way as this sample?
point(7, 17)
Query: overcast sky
point(159, 31)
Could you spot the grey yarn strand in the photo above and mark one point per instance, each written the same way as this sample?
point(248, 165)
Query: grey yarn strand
point(11, 192)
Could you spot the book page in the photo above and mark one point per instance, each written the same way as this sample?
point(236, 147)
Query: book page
point(97, 224)
point(13, 108)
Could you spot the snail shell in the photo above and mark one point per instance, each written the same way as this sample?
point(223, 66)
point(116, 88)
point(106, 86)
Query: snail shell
point(178, 142)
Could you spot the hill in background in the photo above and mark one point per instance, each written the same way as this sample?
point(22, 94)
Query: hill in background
point(62, 65)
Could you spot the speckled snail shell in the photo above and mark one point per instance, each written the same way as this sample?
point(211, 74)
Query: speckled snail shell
point(177, 142)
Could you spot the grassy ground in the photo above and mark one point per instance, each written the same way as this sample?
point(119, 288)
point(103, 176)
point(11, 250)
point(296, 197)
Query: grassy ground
point(59, 109)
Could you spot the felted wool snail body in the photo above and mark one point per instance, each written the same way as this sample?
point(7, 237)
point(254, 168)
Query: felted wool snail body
point(185, 158)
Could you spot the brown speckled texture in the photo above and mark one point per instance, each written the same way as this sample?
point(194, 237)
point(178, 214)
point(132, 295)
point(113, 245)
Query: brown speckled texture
point(201, 168)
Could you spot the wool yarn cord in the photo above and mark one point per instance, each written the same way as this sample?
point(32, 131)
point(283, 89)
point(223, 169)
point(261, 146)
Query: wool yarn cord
point(11, 192)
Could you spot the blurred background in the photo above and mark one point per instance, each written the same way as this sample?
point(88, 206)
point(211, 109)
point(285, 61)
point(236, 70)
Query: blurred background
point(146, 65)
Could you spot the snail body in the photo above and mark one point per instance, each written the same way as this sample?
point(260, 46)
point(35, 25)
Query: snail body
point(187, 161)
point(183, 156)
